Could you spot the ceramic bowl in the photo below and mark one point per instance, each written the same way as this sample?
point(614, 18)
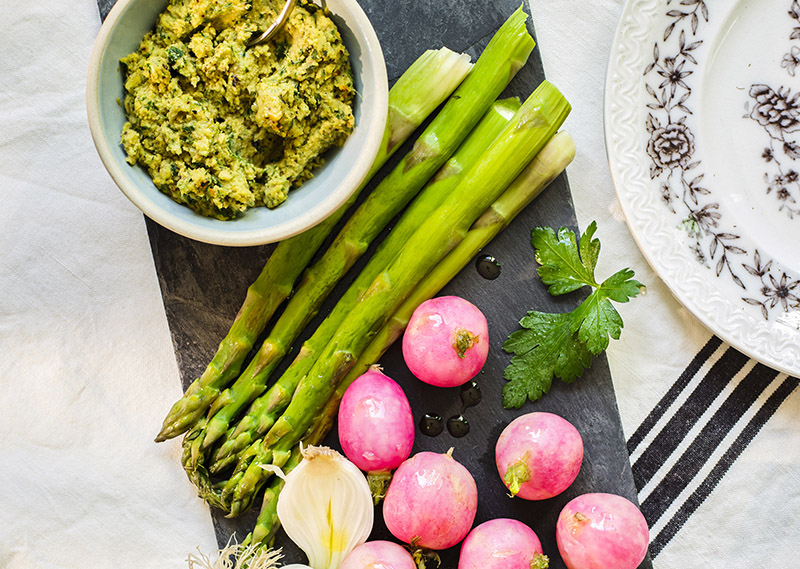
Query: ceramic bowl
point(333, 183)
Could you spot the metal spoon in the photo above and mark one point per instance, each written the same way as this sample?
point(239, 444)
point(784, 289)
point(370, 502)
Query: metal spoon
point(276, 25)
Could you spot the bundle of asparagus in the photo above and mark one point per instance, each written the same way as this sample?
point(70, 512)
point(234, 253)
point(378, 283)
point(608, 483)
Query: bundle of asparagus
point(532, 126)
point(470, 196)
point(447, 130)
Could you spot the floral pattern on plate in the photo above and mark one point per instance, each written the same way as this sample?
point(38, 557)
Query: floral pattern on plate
point(694, 222)
point(777, 111)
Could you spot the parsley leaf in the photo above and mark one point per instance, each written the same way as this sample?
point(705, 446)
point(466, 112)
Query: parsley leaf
point(562, 345)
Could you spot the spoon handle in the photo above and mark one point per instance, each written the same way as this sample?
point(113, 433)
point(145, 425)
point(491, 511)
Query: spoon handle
point(278, 24)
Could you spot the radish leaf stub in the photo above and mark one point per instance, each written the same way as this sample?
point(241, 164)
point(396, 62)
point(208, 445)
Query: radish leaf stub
point(464, 340)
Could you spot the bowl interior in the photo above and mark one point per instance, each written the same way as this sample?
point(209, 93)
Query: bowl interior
point(333, 183)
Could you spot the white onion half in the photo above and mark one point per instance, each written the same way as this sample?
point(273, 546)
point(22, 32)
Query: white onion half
point(326, 507)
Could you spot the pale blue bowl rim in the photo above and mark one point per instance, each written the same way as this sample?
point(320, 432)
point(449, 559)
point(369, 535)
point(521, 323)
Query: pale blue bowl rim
point(344, 171)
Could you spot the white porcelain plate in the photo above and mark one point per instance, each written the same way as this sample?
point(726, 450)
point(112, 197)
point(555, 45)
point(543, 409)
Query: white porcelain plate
point(702, 118)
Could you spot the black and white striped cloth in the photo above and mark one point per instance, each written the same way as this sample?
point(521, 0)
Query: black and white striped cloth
point(697, 431)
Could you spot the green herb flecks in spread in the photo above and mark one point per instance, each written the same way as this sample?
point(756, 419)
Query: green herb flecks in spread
point(562, 344)
point(221, 127)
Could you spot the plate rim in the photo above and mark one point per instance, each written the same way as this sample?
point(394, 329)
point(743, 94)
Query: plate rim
point(758, 340)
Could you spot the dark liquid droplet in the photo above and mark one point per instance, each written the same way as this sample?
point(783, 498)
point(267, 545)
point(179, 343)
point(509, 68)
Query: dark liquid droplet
point(488, 267)
point(470, 394)
point(431, 425)
point(458, 426)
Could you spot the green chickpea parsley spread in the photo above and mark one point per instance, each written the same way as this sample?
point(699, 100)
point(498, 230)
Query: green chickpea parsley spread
point(221, 127)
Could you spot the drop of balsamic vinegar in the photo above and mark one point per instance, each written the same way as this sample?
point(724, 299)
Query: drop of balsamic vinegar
point(488, 267)
point(431, 425)
point(458, 426)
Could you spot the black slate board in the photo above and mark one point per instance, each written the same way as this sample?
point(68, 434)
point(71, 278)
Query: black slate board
point(204, 285)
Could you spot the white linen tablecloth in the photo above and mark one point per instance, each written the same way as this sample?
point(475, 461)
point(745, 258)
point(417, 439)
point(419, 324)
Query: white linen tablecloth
point(88, 360)
point(87, 354)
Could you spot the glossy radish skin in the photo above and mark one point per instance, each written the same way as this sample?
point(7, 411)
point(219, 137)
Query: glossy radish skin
point(538, 455)
point(431, 502)
point(502, 544)
point(446, 341)
point(376, 427)
point(601, 531)
point(379, 555)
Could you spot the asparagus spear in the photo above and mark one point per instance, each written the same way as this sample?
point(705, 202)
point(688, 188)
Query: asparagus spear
point(491, 74)
point(420, 90)
point(265, 410)
point(200, 477)
point(533, 125)
point(544, 168)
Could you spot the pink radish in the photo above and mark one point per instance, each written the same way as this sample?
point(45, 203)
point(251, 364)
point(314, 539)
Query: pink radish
point(379, 555)
point(601, 531)
point(538, 455)
point(446, 341)
point(376, 427)
point(502, 544)
point(431, 502)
